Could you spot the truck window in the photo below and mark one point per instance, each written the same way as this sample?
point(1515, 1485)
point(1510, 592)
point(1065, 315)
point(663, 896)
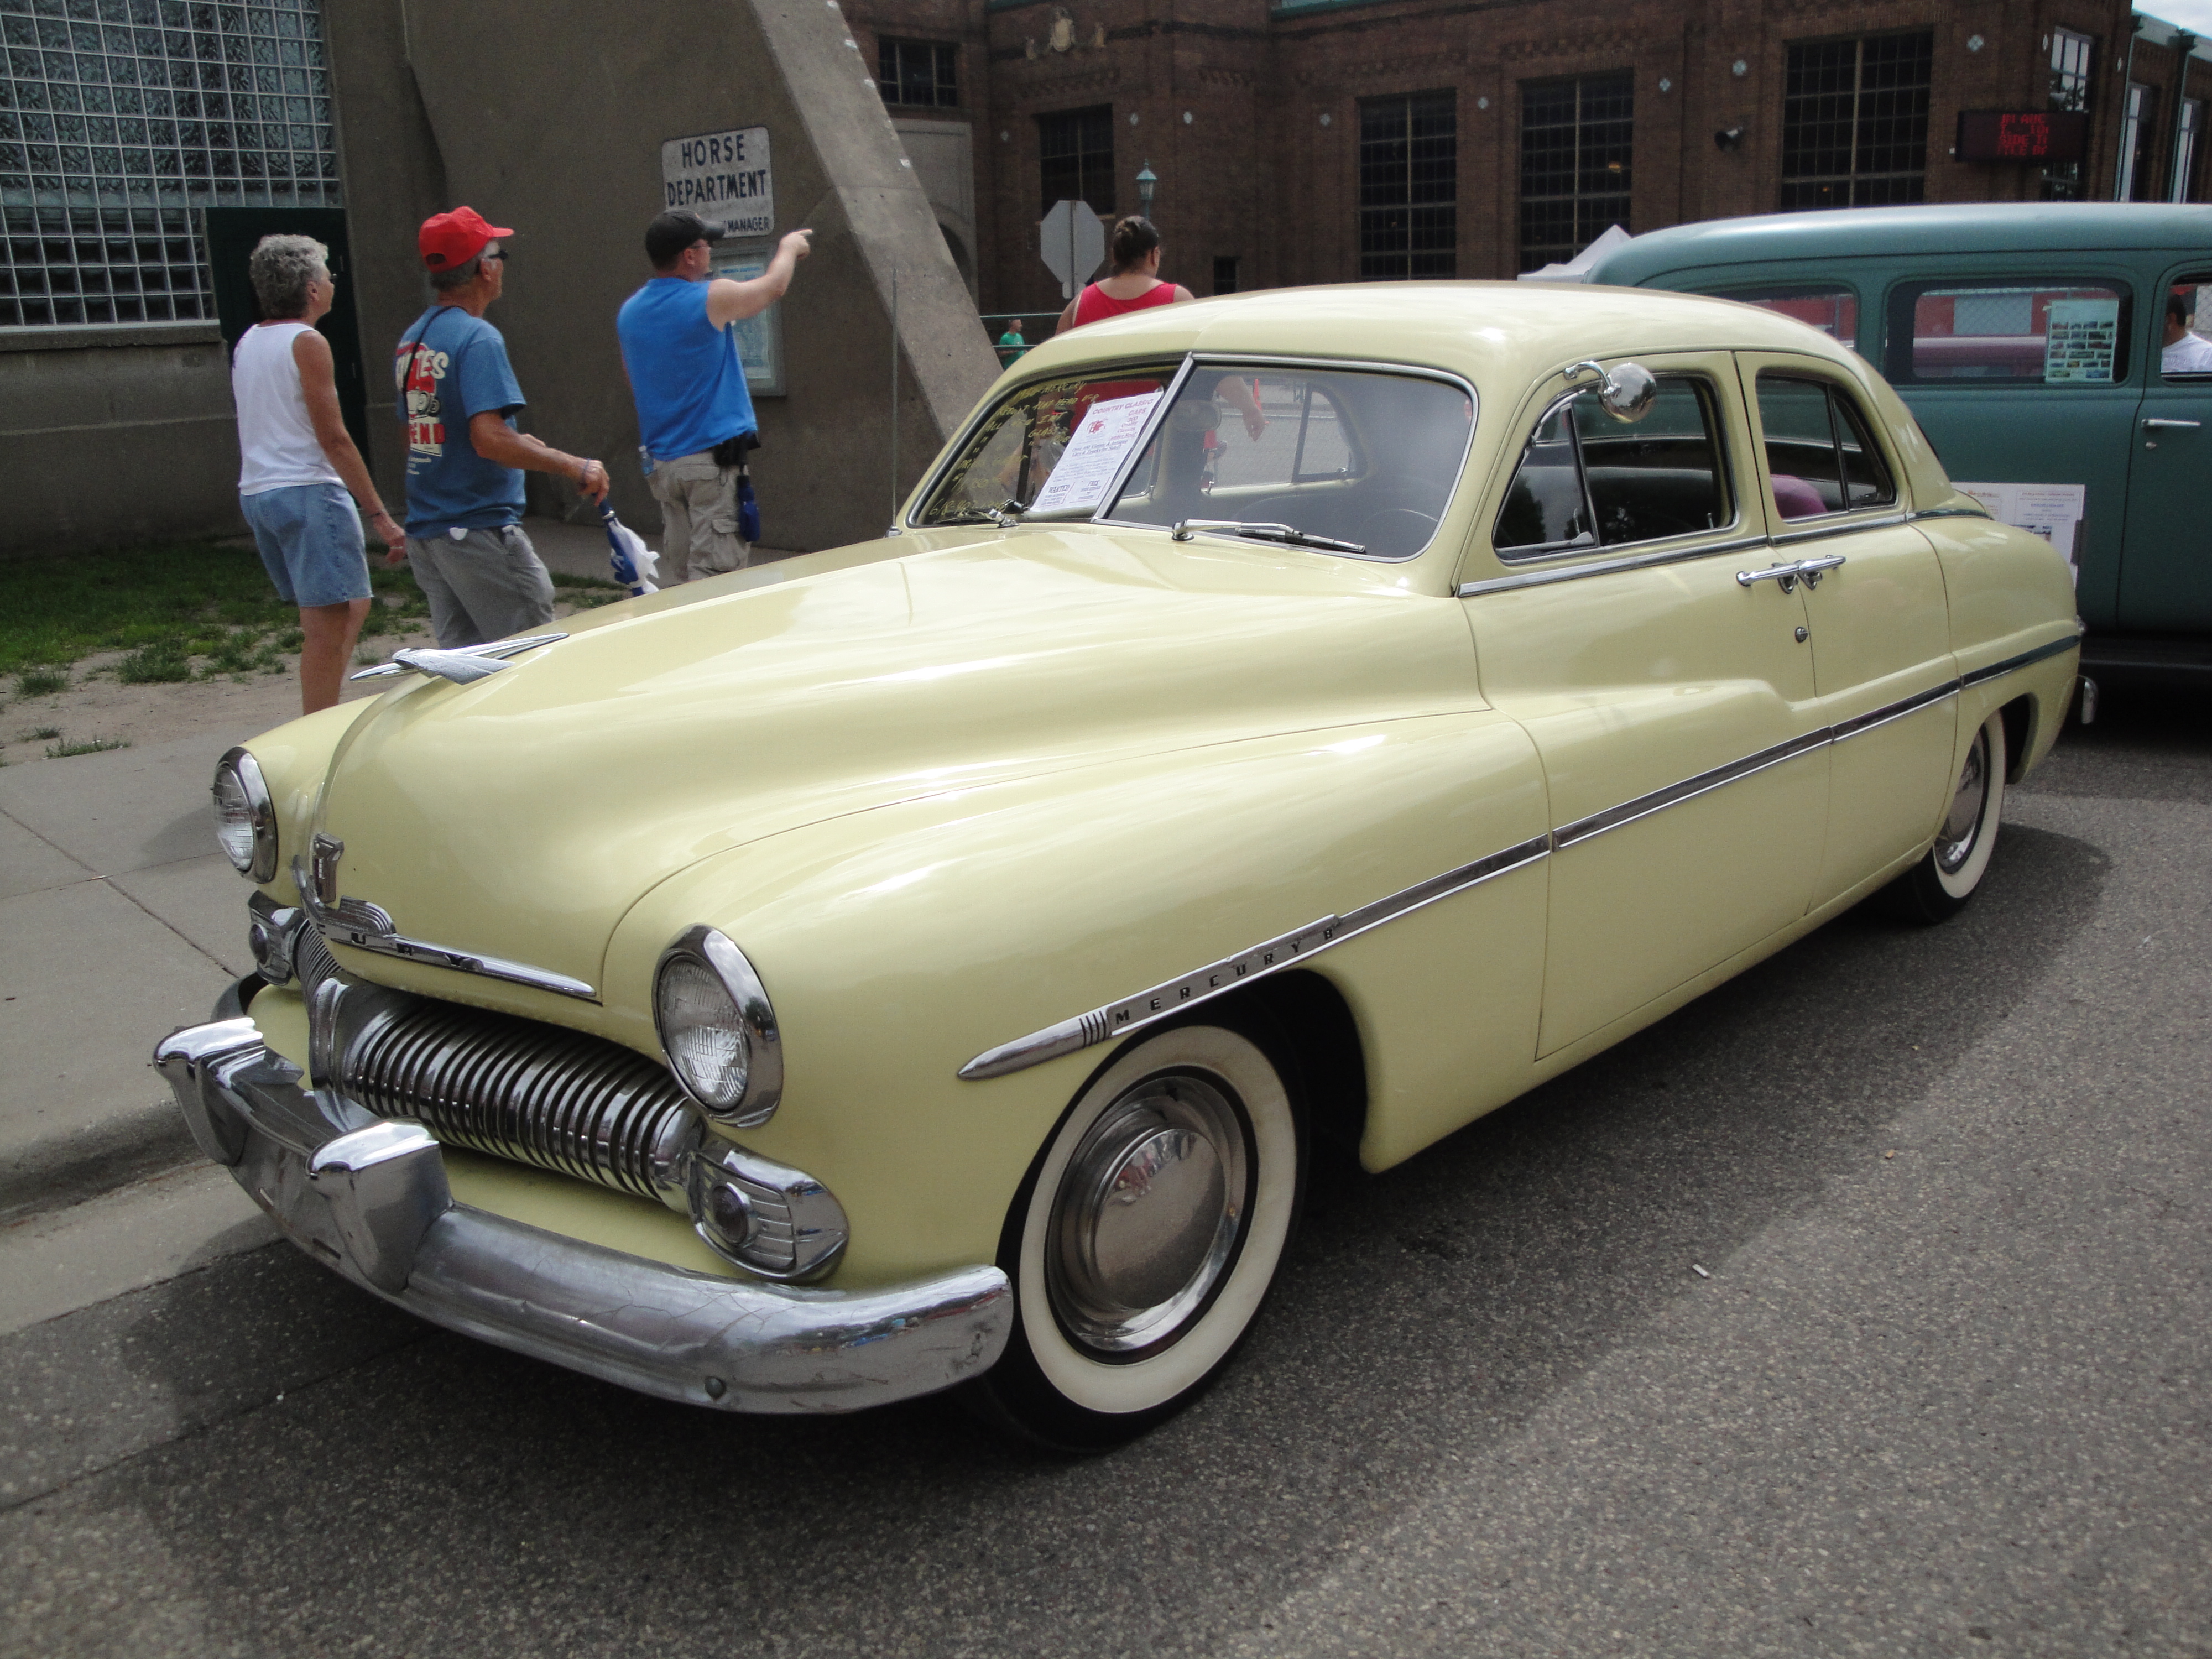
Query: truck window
point(1833, 310)
point(2186, 352)
point(2047, 333)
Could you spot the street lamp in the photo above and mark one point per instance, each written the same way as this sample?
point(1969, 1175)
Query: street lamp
point(1146, 181)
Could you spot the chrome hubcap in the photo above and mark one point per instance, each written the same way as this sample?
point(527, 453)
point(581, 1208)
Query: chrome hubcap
point(1956, 839)
point(1148, 1214)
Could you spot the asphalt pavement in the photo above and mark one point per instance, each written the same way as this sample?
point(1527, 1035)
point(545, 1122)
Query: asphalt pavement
point(1861, 1307)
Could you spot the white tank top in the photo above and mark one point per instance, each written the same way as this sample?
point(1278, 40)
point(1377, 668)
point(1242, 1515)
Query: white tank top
point(276, 439)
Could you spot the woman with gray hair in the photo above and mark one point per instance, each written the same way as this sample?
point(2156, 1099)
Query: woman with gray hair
point(297, 464)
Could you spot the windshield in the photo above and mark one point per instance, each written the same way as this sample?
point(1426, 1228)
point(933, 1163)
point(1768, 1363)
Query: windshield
point(1015, 458)
point(1354, 460)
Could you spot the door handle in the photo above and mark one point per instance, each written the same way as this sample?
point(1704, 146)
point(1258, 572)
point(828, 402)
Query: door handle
point(1785, 574)
point(2159, 420)
point(1812, 569)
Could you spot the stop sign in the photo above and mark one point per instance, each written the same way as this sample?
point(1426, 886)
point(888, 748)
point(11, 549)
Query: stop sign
point(1073, 244)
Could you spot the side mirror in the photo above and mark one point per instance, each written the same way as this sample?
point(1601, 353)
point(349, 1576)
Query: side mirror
point(1627, 392)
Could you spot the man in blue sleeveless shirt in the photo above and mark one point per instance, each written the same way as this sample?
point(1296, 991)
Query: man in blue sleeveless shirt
point(694, 412)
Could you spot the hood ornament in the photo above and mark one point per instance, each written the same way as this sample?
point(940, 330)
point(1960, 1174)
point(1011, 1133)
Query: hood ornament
point(464, 667)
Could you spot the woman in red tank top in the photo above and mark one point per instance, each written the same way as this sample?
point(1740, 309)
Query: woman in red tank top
point(1135, 283)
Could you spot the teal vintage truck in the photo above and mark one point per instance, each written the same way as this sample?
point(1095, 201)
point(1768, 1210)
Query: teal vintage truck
point(2048, 351)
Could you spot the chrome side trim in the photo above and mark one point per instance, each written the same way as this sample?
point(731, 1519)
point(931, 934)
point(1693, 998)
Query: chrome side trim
point(368, 1198)
point(2026, 657)
point(366, 927)
point(1689, 789)
point(1918, 513)
point(1133, 1013)
point(1216, 978)
point(1888, 712)
point(1822, 532)
point(419, 660)
point(1635, 561)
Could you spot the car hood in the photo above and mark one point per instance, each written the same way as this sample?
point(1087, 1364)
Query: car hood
point(522, 815)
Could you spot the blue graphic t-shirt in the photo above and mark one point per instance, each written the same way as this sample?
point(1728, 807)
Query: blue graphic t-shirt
point(449, 367)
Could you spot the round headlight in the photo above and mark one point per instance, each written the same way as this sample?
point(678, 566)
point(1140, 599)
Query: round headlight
point(717, 1028)
point(244, 818)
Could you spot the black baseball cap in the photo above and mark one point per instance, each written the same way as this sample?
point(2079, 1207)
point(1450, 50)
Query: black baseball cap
point(671, 233)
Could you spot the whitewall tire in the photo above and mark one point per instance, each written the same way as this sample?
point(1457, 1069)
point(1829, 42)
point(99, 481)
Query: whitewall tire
point(1939, 886)
point(1148, 1236)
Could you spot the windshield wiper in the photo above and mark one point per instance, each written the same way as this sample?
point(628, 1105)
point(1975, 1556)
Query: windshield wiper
point(1007, 518)
point(1185, 528)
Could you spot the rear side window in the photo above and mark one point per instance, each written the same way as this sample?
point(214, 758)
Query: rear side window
point(1820, 454)
point(2039, 333)
point(1833, 310)
point(2185, 348)
point(1586, 480)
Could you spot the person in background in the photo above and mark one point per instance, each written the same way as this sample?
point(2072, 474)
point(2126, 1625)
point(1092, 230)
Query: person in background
point(694, 411)
point(1011, 345)
point(465, 458)
point(1135, 284)
point(2185, 353)
point(297, 463)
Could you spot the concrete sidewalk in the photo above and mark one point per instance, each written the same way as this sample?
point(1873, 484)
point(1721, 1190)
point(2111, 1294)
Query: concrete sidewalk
point(120, 920)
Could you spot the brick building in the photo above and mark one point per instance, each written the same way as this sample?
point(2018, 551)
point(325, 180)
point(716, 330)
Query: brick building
point(1307, 140)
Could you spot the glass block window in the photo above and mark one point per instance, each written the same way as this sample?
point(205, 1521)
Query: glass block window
point(1075, 155)
point(924, 72)
point(119, 118)
point(2070, 55)
point(1855, 121)
point(1408, 187)
point(1575, 142)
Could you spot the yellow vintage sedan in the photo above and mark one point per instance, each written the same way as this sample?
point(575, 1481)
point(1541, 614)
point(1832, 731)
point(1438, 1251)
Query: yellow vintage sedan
point(1277, 731)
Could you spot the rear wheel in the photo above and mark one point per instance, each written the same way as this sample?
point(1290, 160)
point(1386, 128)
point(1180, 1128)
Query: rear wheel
point(1939, 886)
point(1147, 1237)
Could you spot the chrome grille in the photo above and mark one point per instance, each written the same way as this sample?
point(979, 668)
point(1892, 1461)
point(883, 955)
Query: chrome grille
point(535, 1093)
point(312, 961)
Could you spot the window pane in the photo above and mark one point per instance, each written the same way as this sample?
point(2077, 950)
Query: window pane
point(1408, 187)
point(1661, 476)
point(2056, 333)
point(1075, 151)
point(1833, 311)
point(1855, 121)
point(1355, 456)
point(1866, 479)
point(1013, 455)
point(1801, 447)
point(1544, 505)
point(1577, 137)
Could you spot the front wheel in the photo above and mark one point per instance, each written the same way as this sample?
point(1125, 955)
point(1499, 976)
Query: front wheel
point(1939, 886)
point(1145, 1238)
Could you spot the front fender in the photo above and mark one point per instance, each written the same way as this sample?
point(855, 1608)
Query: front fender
point(899, 944)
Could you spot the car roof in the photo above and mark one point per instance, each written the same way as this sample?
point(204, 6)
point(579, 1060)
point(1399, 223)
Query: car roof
point(1500, 335)
point(1951, 228)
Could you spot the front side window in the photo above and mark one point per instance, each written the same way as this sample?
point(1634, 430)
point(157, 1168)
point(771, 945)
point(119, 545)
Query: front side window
point(1351, 461)
point(924, 73)
point(1855, 122)
point(1820, 455)
point(2186, 352)
point(1833, 311)
point(2051, 333)
point(1011, 462)
point(1587, 481)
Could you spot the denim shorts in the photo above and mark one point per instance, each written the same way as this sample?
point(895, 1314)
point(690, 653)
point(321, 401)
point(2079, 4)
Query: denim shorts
point(309, 539)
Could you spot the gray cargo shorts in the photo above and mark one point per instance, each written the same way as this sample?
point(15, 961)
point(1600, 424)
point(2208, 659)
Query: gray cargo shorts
point(698, 519)
point(486, 586)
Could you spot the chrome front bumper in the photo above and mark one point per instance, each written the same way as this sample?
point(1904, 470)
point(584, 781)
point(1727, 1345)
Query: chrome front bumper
point(366, 1196)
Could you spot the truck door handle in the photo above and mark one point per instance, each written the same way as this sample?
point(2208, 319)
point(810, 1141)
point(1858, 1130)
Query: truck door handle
point(2159, 420)
point(1811, 570)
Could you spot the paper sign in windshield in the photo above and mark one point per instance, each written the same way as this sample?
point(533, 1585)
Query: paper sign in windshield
point(1095, 453)
point(2085, 334)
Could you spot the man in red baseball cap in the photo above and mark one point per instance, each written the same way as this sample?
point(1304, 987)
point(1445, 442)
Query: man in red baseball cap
point(465, 458)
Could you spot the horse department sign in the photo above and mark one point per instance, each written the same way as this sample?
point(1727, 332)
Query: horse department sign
point(724, 177)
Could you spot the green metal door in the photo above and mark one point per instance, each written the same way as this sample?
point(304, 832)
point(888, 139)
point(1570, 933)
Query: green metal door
point(232, 234)
point(2165, 568)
